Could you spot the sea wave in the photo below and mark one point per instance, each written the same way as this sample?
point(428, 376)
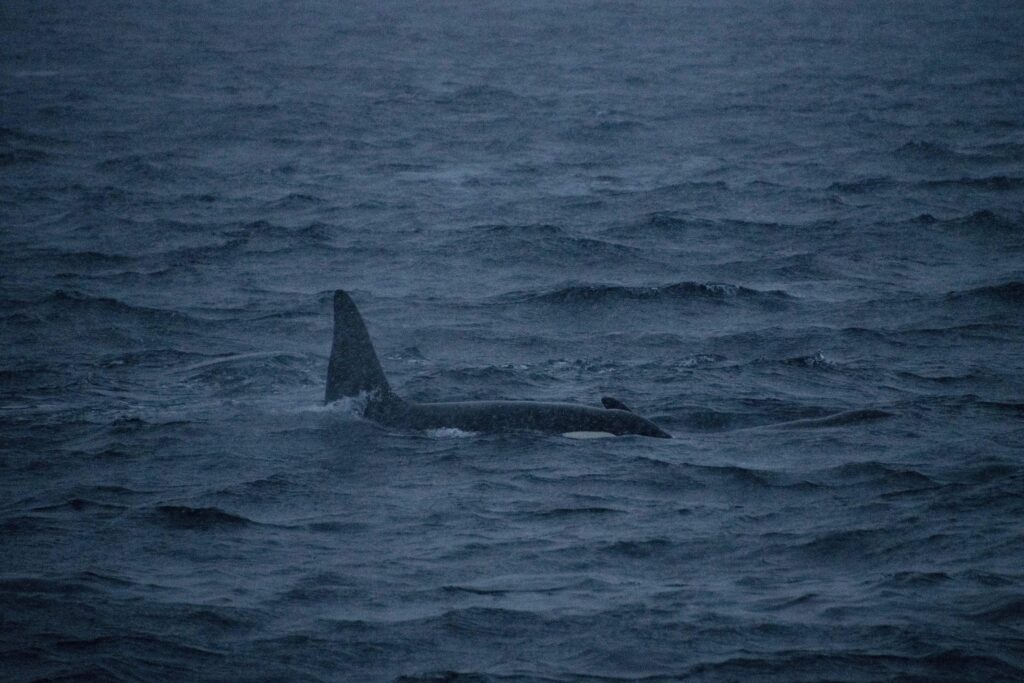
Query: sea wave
point(539, 243)
point(931, 152)
point(1010, 292)
point(864, 185)
point(64, 304)
point(996, 183)
point(679, 291)
point(981, 222)
point(197, 518)
point(23, 156)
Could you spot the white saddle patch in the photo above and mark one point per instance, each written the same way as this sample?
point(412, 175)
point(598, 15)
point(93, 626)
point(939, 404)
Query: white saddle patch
point(587, 435)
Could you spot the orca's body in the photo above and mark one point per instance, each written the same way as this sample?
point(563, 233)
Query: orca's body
point(354, 369)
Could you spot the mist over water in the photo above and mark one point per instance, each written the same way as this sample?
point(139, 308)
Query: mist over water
point(792, 234)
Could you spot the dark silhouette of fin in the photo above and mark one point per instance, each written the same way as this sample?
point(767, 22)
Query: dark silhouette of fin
point(353, 367)
point(614, 404)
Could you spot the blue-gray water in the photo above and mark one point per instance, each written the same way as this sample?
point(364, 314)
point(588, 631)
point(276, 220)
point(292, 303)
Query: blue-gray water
point(790, 233)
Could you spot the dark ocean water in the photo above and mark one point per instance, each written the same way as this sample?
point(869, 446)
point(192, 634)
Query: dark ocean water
point(790, 233)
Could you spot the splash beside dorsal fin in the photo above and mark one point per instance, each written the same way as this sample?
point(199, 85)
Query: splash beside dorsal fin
point(614, 404)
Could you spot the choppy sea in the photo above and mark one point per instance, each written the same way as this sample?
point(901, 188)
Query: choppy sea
point(790, 233)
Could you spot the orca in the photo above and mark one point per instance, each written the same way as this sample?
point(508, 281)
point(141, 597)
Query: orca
point(354, 370)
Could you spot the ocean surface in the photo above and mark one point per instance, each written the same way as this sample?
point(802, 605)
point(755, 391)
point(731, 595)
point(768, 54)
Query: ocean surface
point(792, 234)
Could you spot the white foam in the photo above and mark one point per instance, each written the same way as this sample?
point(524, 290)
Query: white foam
point(354, 406)
point(448, 433)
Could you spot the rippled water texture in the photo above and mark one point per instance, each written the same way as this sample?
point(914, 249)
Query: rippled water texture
point(790, 233)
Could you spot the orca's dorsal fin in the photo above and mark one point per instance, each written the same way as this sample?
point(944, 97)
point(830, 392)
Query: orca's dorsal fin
point(353, 367)
point(614, 404)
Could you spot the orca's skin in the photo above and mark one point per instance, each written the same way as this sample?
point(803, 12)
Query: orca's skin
point(354, 369)
point(506, 416)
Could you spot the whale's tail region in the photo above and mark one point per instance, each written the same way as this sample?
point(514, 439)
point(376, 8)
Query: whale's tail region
point(354, 367)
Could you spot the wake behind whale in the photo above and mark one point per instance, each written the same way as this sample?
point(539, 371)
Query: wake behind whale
point(354, 369)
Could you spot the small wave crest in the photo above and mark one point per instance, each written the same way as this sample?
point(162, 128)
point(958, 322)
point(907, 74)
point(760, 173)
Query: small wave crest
point(931, 152)
point(863, 186)
point(848, 418)
point(64, 302)
point(679, 291)
point(78, 505)
point(1011, 292)
point(538, 242)
point(568, 513)
point(982, 222)
point(1007, 610)
point(247, 373)
point(15, 157)
point(639, 549)
point(875, 474)
point(593, 131)
point(997, 183)
point(478, 98)
point(926, 150)
point(185, 517)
